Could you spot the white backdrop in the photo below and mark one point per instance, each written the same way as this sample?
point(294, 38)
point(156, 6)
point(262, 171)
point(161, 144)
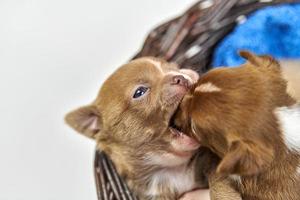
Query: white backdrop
point(54, 55)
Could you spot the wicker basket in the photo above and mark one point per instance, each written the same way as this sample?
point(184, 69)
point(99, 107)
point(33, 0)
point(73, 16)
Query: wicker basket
point(188, 40)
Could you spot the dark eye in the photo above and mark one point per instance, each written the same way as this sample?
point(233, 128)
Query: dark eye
point(140, 92)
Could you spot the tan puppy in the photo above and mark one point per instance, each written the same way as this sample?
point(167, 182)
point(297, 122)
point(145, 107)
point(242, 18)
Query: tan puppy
point(130, 121)
point(244, 115)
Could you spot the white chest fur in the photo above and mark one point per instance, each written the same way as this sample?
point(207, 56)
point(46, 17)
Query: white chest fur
point(289, 120)
point(179, 179)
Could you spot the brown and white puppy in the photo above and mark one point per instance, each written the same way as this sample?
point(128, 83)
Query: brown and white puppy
point(246, 117)
point(130, 121)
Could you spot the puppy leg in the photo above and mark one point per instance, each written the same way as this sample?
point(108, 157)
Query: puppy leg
point(222, 188)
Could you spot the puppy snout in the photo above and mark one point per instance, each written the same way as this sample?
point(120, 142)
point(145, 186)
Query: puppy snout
point(180, 80)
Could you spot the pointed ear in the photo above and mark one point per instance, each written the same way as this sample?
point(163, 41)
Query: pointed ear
point(86, 120)
point(260, 61)
point(245, 158)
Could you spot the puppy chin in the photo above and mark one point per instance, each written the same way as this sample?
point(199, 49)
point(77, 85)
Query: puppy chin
point(179, 152)
point(182, 144)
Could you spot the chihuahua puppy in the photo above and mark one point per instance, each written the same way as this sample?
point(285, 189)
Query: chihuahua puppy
point(247, 118)
point(130, 121)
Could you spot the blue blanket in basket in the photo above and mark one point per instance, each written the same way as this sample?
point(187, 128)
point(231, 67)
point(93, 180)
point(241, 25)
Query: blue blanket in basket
point(272, 30)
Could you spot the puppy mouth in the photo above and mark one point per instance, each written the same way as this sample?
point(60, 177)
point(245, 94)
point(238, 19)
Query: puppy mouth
point(175, 130)
point(186, 142)
point(183, 145)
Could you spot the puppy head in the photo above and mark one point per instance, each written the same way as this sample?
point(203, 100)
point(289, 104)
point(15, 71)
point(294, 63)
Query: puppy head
point(130, 118)
point(230, 110)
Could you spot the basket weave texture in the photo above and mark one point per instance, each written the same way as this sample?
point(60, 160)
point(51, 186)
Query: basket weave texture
point(189, 40)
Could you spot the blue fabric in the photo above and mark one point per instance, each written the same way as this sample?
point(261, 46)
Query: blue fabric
point(272, 30)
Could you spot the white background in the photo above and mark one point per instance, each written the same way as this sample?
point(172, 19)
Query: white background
point(54, 55)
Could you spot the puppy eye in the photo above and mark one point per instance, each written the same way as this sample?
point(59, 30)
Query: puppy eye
point(140, 92)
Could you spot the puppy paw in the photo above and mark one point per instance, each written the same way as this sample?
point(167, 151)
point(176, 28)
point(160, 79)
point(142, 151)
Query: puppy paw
point(196, 195)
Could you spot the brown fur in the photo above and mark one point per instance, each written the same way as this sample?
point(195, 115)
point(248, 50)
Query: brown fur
point(135, 133)
point(236, 121)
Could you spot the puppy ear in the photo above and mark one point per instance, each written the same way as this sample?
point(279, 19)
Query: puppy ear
point(245, 158)
point(260, 61)
point(86, 120)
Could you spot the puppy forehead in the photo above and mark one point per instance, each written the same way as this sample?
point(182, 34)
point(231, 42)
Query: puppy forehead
point(145, 67)
point(138, 71)
point(141, 69)
point(156, 63)
point(160, 65)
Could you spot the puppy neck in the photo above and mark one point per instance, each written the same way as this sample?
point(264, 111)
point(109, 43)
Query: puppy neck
point(149, 180)
point(171, 182)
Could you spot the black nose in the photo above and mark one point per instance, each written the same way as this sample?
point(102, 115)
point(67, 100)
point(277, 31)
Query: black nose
point(180, 80)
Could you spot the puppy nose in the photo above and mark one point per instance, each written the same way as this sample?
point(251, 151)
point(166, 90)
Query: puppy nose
point(180, 80)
